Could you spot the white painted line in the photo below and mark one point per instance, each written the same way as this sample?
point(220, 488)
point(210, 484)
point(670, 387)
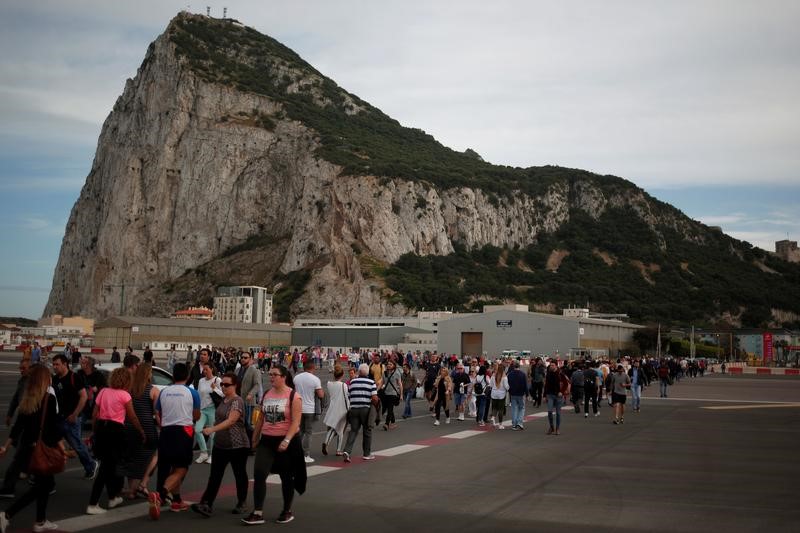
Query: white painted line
point(79, 523)
point(463, 434)
point(709, 400)
point(751, 406)
point(399, 450)
point(543, 414)
point(315, 470)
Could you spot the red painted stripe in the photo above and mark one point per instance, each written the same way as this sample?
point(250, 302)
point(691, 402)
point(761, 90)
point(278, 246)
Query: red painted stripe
point(735, 370)
point(763, 371)
point(792, 371)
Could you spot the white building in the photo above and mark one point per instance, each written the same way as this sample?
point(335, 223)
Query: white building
point(247, 304)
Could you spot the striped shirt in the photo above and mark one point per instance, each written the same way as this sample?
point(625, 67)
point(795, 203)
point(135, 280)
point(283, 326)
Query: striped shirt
point(361, 392)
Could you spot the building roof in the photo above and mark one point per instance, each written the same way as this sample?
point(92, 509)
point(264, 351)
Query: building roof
point(129, 321)
point(204, 312)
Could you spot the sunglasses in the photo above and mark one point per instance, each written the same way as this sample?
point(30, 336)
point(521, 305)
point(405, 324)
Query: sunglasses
point(226, 384)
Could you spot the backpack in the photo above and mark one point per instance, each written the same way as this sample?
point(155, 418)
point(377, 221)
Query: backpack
point(589, 378)
point(478, 388)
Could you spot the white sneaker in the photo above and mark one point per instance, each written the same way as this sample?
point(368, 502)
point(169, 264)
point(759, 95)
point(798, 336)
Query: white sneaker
point(461, 416)
point(208, 461)
point(113, 502)
point(95, 509)
point(309, 459)
point(47, 525)
point(435, 422)
point(202, 458)
point(3, 522)
point(447, 420)
point(493, 421)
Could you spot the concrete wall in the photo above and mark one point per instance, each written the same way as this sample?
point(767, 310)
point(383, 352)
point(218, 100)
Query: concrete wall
point(106, 337)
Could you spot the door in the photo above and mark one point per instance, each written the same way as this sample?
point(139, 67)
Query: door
point(471, 343)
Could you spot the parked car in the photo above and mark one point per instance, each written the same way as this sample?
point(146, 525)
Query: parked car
point(161, 377)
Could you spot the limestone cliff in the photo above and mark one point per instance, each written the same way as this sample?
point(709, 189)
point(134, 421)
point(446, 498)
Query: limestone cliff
point(221, 164)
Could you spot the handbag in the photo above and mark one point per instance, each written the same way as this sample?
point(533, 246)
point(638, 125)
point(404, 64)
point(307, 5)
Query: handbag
point(46, 460)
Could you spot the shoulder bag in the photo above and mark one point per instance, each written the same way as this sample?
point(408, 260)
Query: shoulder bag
point(46, 460)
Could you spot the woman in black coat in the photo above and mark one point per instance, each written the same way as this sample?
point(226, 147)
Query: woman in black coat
point(38, 394)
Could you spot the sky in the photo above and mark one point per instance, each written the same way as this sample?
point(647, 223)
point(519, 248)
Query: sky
point(694, 101)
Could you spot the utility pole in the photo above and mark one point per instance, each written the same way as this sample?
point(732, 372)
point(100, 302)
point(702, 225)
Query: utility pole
point(121, 294)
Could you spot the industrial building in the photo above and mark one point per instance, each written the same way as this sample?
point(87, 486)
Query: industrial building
point(139, 332)
point(513, 328)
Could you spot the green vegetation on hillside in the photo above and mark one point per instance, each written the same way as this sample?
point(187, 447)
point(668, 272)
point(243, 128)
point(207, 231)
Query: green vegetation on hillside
point(690, 282)
point(366, 142)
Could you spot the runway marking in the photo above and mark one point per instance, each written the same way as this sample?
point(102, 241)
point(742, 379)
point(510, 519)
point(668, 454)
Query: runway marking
point(712, 400)
point(81, 522)
point(399, 450)
point(464, 434)
point(756, 406)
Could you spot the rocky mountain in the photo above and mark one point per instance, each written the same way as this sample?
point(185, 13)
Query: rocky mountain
point(230, 160)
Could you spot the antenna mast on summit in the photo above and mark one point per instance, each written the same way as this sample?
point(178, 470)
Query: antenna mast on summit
point(208, 11)
point(224, 13)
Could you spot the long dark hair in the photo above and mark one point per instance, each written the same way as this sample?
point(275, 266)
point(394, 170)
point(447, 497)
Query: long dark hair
point(287, 376)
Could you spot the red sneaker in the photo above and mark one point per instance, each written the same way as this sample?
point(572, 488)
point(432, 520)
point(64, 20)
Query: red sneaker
point(177, 507)
point(154, 499)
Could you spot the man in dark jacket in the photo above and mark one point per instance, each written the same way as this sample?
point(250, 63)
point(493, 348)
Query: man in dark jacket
point(577, 383)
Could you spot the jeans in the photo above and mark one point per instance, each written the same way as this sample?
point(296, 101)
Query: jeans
point(636, 392)
point(590, 394)
point(536, 392)
point(72, 434)
point(358, 417)
point(306, 428)
point(206, 420)
point(554, 404)
point(517, 410)
point(664, 383)
point(237, 457)
point(482, 408)
point(408, 395)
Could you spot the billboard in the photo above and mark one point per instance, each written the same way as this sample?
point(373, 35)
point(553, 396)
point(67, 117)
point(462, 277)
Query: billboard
point(767, 349)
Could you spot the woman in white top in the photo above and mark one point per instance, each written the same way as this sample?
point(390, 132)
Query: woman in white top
point(471, 404)
point(208, 385)
point(499, 390)
point(336, 415)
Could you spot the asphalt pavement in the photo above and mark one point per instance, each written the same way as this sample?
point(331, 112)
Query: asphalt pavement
point(719, 454)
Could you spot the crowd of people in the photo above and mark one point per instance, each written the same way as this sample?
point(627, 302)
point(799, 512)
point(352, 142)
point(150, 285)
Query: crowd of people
point(219, 404)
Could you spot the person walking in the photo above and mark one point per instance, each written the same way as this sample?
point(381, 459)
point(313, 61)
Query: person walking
point(229, 447)
point(363, 395)
point(177, 409)
point(113, 405)
point(576, 387)
point(460, 389)
point(481, 390)
point(278, 448)
point(499, 383)
point(309, 387)
point(517, 389)
point(71, 393)
point(663, 378)
point(620, 383)
point(208, 388)
point(336, 415)
point(248, 388)
point(590, 379)
point(443, 392)
point(556, 388)
point(37, 416)
point(409, 383)
point(142, 457)
point(392, 392)
point(638, 383)
point(537, 372)
point(16, 467)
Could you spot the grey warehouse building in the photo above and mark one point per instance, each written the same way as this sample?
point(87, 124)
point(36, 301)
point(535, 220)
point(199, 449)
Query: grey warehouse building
point(501, 328)
point(345, 338)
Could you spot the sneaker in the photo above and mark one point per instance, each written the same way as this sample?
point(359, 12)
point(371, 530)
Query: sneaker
point(201, 508)
point(447, 420)
point(240, 508)
point(557, 432)
point(461, 417)
point(9, 495)
point(208, 461)
point(154, 500)
point(309, 459)
point(285, 517)
point(520, 426)
point(95, 509)
point(178, 507)
point(492, 420)
point(202, 458)
point(3, 522)
point(514, 428)
point(324, 448)
point(615, 422)
point(346, 457)
point(597, 413)
point(500, 426)
point(369, 457)
point(253, 519)
point(47, 525)
point(585, 415)
point(481, 424)
point(93, 472)
point(113, 502)
point(549, 431)
point(435, 422)
point(621, 420)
